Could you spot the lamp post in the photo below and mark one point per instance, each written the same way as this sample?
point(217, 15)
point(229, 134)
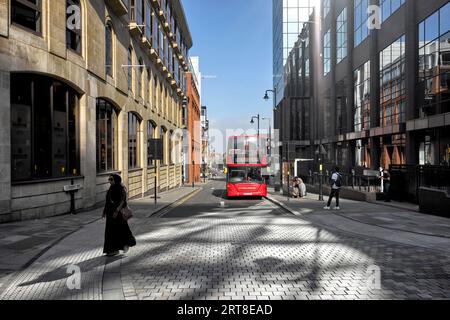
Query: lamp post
point(270, 134)
point(266, 97)
point(252, 122)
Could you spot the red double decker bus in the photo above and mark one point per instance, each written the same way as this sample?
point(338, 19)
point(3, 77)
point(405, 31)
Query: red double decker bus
point(246, 160)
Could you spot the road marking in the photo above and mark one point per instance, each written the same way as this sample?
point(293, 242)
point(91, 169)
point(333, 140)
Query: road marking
point(177, 204)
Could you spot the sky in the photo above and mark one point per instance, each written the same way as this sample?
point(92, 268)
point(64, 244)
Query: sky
point(233, 39)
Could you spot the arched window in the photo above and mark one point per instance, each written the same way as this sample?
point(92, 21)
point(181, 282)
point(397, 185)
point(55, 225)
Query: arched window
point(171, 147)
point(73, 25)
point(155, 92)
point(109, 50)
point(130, 69)
point(151, 131)
point(44, 128)
point(133, 140)
point(163, 136)
point(106, 136)
point(149, 85)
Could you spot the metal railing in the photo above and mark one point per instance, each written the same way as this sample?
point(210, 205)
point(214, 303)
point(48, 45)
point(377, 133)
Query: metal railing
point(406, 180)
point(353, 181)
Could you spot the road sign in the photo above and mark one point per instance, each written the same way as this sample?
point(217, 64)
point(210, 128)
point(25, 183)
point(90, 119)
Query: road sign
point(71, 188)
point(156, 149)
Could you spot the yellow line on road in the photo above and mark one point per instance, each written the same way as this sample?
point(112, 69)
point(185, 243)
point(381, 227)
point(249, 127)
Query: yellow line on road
point(179, 202)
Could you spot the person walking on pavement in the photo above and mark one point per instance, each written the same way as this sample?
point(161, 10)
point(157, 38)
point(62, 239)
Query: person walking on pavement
point(118, 235)
point(386, 185)
point(336, 183)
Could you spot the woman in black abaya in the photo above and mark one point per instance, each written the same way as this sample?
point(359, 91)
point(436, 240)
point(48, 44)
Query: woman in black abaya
point(118, 235)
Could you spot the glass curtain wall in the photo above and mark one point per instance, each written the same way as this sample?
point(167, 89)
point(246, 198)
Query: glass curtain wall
point(392, 84)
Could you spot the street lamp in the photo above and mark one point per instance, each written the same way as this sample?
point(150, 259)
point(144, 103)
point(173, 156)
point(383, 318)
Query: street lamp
point(270, 134)
point(252, 122)
point(266, 97)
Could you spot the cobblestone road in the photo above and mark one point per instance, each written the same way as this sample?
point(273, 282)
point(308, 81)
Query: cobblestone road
point(203, 249)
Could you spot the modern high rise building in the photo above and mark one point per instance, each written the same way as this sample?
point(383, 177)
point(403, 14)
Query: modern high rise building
point(288, 19)
point(362, 97)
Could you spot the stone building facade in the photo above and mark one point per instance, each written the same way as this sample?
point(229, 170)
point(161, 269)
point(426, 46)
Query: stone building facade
point(83, 85)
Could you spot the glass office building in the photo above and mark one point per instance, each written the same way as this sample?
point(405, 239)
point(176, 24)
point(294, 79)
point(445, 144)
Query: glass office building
point(288, 19)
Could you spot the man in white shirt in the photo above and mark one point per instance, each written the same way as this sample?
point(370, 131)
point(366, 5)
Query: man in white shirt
point(336, 183)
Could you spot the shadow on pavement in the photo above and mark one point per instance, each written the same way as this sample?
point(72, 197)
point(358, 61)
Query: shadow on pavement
point(61, 272)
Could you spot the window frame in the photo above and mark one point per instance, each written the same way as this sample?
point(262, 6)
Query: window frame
point(150, 124)
point(77, 33)
point(108, 26)
point(38, 8)
point(114, 145)
point(71, 129)
point(134, 151)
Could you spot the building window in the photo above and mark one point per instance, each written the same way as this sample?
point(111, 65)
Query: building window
point(362, 98)
point(341, 30)
point(148, 21)
point(392, 83)
point(108, 50)
point(139, 78)
point(44, 128)
point(73, 25)
point(161, 46)
point(155, 92)
point(106, 136)
point(434, 63)
point(171, 147)
point(155, 35)
point(27, 13)
point(130, 69)
point(361, 16)
point(326, 53)
point(163, 136)
point(388, 7)
point(149, 86)
point(326, 8)
point(133, 141)
point(151, 131)
point(393, 149)
point(136, 12)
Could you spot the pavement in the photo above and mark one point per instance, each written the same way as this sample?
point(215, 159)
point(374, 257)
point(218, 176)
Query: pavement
point(359, 217)
point(23, 242)
point(203, 246)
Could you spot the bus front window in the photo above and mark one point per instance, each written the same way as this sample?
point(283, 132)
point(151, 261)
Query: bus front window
point(237, 176)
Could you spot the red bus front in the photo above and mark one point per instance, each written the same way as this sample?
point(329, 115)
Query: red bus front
point(246, 157)
point(245, 181)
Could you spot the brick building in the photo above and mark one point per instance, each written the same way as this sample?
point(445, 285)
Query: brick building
point(193, 160)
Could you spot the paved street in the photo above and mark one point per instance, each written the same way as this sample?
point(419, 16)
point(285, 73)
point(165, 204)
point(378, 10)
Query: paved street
point(207, 247)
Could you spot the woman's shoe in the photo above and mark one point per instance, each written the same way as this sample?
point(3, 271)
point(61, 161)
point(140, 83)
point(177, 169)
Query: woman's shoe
point(125, 249)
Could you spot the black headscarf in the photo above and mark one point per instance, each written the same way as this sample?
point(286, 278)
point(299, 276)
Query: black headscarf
point(115, 191)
